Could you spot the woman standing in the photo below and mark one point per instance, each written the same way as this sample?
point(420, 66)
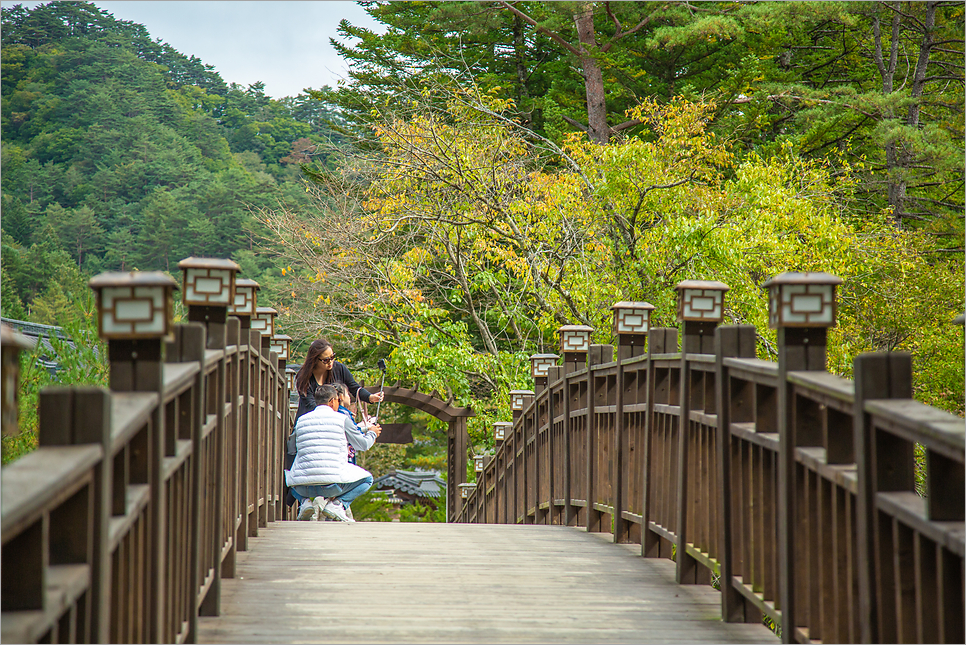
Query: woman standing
point(321, 368)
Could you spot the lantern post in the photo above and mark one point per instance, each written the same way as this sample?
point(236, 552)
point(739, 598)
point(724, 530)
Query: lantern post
point(574, 345)
point(801, 306)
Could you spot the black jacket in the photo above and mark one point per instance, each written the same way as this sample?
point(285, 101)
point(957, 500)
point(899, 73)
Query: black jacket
point(340, 374)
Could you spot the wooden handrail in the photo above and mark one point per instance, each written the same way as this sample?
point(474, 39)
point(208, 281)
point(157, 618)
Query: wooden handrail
point(684, 453)
point(110, 531)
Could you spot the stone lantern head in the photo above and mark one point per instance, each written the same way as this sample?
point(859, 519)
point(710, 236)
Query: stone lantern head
point(802, 300)
point(136, 305)
point(208, 282)
point(701, 300)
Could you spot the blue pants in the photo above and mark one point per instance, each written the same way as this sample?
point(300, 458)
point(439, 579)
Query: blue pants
point(346, 493)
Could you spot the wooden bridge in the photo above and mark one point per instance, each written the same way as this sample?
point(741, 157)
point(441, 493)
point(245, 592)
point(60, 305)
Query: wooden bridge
point(153, 512)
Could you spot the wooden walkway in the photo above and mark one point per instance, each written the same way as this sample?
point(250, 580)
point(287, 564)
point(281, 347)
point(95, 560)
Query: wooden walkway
point(318, 582)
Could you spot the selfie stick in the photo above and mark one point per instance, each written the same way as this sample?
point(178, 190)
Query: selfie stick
point(382, 366)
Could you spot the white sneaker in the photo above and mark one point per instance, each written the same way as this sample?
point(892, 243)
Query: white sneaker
point(319, 503)
point(306, 511)
point(336, 510)
point(348, 511)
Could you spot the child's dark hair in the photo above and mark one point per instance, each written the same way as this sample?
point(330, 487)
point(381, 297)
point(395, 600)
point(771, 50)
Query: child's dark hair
point(341, 388)
point(324, 394)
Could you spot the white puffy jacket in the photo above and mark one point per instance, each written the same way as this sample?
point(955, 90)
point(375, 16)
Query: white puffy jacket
point(322, 458)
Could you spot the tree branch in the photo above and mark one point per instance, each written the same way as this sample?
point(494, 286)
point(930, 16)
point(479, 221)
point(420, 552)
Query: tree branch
point(557, 38)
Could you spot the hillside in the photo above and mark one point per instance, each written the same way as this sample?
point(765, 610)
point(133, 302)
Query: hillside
point(121, 153)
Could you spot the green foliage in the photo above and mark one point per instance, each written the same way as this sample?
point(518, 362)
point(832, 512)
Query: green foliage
point(467, 246)
point(416, 512)
point(126, 150)
point(82, 361)
point(371, 507)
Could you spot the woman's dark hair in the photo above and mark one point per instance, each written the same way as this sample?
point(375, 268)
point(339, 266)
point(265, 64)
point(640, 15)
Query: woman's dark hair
point(324, 394)
point(311, 358)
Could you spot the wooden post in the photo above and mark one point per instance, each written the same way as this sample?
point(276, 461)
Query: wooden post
point(575, 346)
point(75, 416)
point(134, 317)
point(884, 375)
point(801, 308)
point(12, 344)
point(233, 465)
point(730, 341)
point(458, 442)
point(700, 308)
point(540, 366)
point(631, 323)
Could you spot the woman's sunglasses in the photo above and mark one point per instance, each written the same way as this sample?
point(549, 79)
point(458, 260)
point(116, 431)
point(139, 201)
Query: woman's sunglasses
point(327, 360)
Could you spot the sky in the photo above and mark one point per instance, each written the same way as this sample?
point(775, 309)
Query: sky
point(283, 44)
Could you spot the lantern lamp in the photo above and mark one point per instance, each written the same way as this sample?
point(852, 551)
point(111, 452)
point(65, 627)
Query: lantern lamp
point(264, 321)
point(246, 298)
point(575, 339)
point(208, 282)
point(280, 345)
point(466, 489)
point(541, 363)
point(701, 300)
point(478, 463)
point(518, 399)
point(802, 300)
point(632, 317)
point(501, 429)
point(133, 305)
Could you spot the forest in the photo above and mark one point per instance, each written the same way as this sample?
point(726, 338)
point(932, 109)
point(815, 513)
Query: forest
point(493, 170)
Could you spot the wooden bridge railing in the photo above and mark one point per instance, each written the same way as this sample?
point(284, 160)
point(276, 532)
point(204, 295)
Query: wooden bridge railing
point(120, 526)
point(791, 489)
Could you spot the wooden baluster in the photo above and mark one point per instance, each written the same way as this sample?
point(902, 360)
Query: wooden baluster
point(660, 341)
point(598, 355)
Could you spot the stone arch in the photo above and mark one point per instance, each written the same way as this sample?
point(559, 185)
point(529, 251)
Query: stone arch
point(457, 436)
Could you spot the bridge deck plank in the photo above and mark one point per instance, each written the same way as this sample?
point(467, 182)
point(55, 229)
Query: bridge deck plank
point(400, 582)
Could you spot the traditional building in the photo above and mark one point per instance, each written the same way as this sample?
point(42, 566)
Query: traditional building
point(407, 486)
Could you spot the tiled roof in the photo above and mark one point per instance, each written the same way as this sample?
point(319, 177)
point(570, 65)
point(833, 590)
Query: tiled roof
point(41, 334)
point(418, 483)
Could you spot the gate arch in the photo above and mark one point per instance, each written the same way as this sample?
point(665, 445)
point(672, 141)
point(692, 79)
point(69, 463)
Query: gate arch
point(457, 436)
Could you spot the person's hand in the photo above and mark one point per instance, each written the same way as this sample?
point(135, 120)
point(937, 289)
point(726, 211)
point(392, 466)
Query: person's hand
point(377, 397)
point(377, 429)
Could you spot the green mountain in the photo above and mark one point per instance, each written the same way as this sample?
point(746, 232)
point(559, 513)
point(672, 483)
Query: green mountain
point(121, 153)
